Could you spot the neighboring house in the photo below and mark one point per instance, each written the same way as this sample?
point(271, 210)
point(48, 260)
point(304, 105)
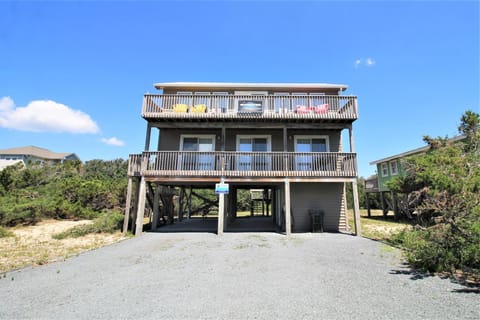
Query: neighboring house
point(284, 138)
point(389, 168)
point(31, 154)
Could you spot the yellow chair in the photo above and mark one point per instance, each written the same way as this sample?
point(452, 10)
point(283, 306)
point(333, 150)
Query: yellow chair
point(180, 107)
point(198, 108)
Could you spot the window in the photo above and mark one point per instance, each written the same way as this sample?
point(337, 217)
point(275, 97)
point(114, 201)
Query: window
point(252, 151)
point(186, 98)
point(299, 99)
point(220, 101)
point(394, 168)
point(384, 168)
point(317, 99)
point(201, 98)
point(281, 102)
point(199, 155)
point(309, 144)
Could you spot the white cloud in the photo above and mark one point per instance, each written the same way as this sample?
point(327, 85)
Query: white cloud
point(113, 141)
point(44, 116)
point(364, 62)
point(369, 62)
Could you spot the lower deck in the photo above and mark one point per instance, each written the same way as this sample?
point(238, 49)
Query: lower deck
point(281, 206)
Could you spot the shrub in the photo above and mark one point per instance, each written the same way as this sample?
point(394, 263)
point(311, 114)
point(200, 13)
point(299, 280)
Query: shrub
point(108, 222)
point(447, 204)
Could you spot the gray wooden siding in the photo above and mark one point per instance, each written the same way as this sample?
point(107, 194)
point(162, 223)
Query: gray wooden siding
point(170, 138)
point(325, 196)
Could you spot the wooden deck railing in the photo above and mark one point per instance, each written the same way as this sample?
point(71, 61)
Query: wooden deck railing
point(263, 106)
point(243, 164)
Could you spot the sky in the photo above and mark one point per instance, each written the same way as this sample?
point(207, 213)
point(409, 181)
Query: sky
point(73, 74)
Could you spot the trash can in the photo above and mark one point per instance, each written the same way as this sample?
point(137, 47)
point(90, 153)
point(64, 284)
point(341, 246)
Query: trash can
point(317, 219)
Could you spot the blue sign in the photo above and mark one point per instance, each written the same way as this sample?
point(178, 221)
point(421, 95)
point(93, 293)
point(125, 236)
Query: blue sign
point(221, 188)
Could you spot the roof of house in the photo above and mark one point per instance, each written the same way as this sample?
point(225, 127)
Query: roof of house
point(248, 85)
point(38, 152)
point(414, 151)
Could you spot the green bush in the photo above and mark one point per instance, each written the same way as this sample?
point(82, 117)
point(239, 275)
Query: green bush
point(64, 191)
point(439, 249)
point(444, 186)
point(107, 223)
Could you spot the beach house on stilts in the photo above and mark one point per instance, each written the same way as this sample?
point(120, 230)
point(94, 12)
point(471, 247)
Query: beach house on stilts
point(284, 139)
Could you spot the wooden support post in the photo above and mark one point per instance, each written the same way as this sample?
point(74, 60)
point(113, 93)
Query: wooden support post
point(356, 208)
point(350, 136)
point(394, 205)
point(382, 200)
point(367, 201)
point(288, 218)
point(127, 206)
point(221, 213)
point(156, 206)
point(147, 137)
point(141, 207)
point(135, 203)
point(189, 203)
point(180, 203)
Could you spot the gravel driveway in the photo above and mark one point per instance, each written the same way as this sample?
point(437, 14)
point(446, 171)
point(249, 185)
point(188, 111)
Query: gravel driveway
point(236, 276)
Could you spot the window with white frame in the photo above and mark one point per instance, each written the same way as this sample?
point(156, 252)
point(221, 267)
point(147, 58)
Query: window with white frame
point(311, 144)
point(281, 101)
point(220, 101)
point(394, 168)
point(251, 152)
point(201, 98)
point(185, 97)
point(299, 99)
point(384, 168)
point(199, 152)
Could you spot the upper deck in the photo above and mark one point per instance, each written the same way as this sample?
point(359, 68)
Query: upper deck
point(249, 102)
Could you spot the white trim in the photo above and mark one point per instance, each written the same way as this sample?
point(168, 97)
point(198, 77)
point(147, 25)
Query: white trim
point(415, 151)
point(393, 172)
point(253, 136)
point(194, 161)
point(251, 93)
point(382, 167)
point(234, 85)
point(182, 136)
point(326, 137)
point(245, 162)
point(305, 162)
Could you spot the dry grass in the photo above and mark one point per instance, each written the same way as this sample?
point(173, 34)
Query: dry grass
point(34, 245)
point(377, 226)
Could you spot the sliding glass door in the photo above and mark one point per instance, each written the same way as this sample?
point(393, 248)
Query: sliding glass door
point(309, 144)
point(202, 157)
point(247, 159)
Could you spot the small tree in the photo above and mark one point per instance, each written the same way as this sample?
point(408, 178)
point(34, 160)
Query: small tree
point(443, 189)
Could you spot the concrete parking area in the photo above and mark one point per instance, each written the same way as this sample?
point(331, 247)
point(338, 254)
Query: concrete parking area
point(235, 276)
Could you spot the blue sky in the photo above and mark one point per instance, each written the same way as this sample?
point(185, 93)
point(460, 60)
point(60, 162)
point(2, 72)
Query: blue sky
point(73, 74)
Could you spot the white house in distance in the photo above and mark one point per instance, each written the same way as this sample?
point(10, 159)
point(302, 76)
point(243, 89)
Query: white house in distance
point(32, 154)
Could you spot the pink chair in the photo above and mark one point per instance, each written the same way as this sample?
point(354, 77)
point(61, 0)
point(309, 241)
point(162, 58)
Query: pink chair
point(322, 108)
point(301, 109)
